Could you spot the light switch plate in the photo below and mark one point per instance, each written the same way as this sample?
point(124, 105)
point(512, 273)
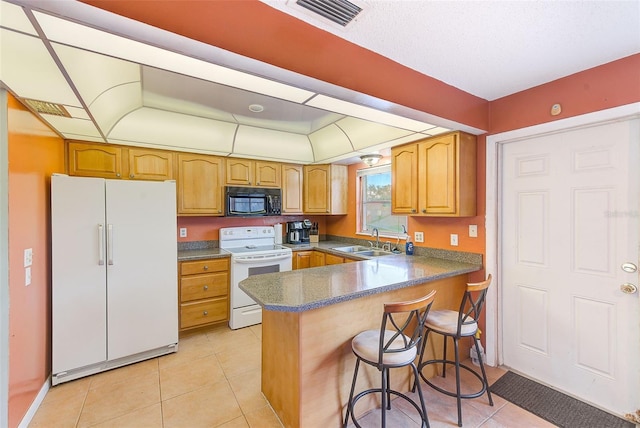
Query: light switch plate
point(454, 240)
point(28, 257)
point(473, 231)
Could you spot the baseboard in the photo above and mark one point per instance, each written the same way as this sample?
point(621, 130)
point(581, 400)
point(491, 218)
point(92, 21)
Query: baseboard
point(26, 420)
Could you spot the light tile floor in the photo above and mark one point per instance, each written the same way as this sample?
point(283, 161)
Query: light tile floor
point(214, 381)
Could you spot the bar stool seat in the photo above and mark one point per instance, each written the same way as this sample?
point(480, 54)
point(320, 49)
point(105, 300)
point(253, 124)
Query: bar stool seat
point(394, 345)
point(457, 325)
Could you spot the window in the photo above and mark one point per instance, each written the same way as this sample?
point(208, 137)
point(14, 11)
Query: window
point(374, 204)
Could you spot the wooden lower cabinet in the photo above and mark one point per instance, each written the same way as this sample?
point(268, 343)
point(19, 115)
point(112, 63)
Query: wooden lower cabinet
point(307, 259)
point(330, 259)
point(203, 292)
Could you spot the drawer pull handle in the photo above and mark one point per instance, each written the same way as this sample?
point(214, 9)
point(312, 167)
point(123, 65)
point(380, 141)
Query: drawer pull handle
point(205, 313)
point(205, 267)
point(206, 287)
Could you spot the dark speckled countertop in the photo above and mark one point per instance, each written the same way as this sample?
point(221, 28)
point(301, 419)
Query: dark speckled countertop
point(202, 254)
point(306, 289)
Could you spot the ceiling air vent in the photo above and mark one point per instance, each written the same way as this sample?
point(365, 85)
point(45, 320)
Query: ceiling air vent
point(44, 107)
point(341, 12)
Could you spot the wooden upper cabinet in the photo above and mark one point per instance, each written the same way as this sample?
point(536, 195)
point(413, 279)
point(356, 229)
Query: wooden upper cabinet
point(325, 189)
point(200, 185)
point(447, 175)
point(239, 172)
point(435, 177)
point(292, 189)
point(94, 160)
point(404, 183)
point(267, 174)
point(245, 172)
point(107, 161)
point(146, 164)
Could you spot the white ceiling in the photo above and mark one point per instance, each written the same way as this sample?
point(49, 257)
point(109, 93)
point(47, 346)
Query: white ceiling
point(170, 93)
point(490, 48)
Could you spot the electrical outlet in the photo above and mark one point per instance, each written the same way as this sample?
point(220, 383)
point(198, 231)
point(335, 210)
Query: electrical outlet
point(183, 232)
point(454, 240)
point(27, 276)
point(473, 231)
point(418, 236)
point(28, 257)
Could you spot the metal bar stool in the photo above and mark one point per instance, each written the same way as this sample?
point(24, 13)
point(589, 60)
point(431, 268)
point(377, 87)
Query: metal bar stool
point(394, 345)
point(457, 325)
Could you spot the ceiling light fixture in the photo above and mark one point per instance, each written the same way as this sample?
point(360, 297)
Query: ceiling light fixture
point(371, 160)
point(256, 108)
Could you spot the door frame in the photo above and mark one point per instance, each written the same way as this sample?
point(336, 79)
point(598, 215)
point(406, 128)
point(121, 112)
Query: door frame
point(493, 200)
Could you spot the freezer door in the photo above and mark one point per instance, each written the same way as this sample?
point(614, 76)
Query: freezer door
point(142, 290)
point(79, 324)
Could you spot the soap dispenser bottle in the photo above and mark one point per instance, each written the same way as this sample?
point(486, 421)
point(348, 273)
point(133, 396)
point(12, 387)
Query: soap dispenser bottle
point(409, 246)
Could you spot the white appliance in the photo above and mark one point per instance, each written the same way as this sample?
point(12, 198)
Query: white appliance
point(114, 271)
point(253, 252)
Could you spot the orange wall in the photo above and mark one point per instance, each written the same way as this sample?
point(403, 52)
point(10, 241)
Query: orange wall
point(206, 228)
point(34, 153)
point(610, 85)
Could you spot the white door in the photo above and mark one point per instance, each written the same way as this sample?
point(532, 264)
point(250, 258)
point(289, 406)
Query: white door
point(569, 221)
point(142, 291)
point(78, 296)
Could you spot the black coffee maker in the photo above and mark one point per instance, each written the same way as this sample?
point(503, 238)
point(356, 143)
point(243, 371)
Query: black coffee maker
point(298, 232)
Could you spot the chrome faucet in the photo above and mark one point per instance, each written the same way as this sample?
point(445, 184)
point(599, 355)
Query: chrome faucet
point(377, 235)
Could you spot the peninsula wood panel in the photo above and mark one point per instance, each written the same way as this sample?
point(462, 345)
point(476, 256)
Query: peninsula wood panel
point(316, 344)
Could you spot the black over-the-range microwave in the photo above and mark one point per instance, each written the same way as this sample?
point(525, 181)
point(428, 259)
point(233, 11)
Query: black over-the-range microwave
point(252, 201)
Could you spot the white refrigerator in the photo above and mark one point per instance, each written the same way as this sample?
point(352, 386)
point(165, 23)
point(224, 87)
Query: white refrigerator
point(114, 273)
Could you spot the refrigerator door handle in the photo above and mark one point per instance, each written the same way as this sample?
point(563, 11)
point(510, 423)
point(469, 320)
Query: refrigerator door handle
point(101, 244)
point(110, 244)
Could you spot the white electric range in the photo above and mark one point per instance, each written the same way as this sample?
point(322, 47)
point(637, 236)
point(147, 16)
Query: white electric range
point(253, 252)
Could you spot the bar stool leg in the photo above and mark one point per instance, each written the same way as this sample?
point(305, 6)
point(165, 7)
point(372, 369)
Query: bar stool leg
point(425, 419)
point(353, 388)
point(459, 399)
point(484, 374)
point(444, 357)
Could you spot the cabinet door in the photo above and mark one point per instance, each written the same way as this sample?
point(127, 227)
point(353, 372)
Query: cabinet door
point(145, 164)
point(317, 189)
point(330, 259)
point(301, 260)
point(291, 189)
point(438, 175)
point(317, 259)
point(239, 172)
point(267, 174)
point(200, 184)
point(95, 160)
point(404, 179)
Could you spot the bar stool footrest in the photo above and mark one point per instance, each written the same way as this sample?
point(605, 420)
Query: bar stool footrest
point(450, 393)
point(361, 394)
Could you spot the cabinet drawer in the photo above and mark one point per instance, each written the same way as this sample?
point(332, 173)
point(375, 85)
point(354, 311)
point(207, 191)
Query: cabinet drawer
point(203, 286)
point(194, 314)
point(204, 266)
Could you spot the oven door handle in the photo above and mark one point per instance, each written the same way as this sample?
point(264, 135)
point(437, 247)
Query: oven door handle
point(266, 258)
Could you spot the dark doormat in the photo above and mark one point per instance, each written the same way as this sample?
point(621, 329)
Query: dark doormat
point(553, 406)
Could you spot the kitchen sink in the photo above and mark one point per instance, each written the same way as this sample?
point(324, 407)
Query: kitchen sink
point(352, 249)
point(373, 253)
point(359, 250)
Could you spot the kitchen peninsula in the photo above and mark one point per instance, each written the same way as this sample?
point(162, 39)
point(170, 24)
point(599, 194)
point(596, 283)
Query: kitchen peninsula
point(310, 316)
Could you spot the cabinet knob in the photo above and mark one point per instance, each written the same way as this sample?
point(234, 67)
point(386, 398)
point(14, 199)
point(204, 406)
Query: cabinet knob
point(424, 211)
point(258, 183)
point(206, 287)
point(413, 210)
point(117, 174)
point(327, 210)
point(205, 313)
point(205, 267)
point(219, 211)
point(131, 175)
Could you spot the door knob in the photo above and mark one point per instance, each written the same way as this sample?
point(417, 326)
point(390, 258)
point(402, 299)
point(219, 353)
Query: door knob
point(629, 267)
point(628, 288)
